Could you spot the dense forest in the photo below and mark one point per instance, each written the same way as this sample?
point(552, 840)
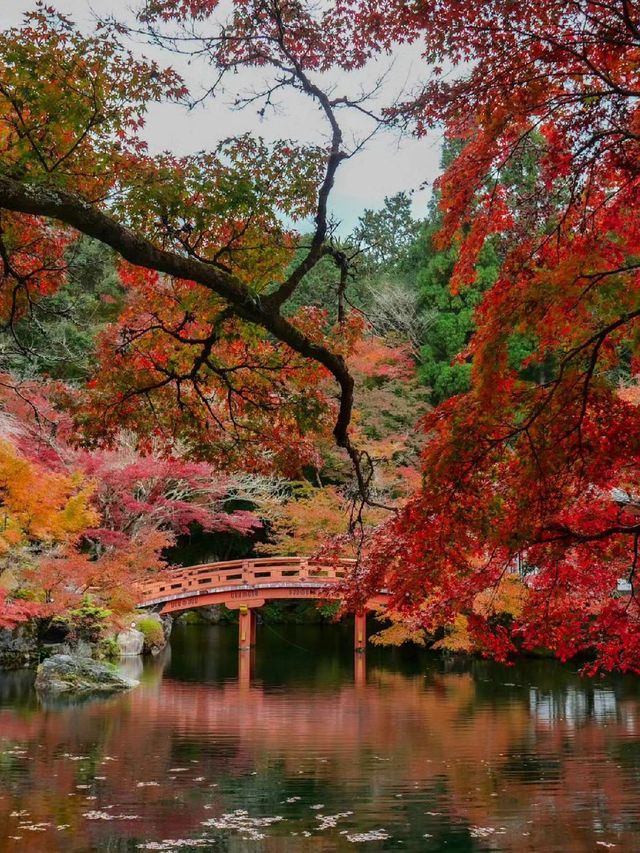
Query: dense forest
point(198, 362)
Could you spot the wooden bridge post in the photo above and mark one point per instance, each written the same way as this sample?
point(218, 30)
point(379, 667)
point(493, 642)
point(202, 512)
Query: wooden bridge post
point(246, 627)
point(360, 638)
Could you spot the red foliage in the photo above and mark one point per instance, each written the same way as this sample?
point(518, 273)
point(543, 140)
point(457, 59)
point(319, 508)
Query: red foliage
point(547, 470)
point(13, 611)
point(374, 358)
point(544, 468)
point(175, 367)
point(97, 522)
point(32, 265)
point(135, 492)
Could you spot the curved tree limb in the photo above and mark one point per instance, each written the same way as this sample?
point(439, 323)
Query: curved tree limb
point(74, 211)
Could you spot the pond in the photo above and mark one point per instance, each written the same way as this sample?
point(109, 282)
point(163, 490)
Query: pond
point(305, 753)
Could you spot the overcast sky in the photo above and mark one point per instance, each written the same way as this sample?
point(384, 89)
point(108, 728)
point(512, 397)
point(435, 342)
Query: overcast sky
point(387, 165)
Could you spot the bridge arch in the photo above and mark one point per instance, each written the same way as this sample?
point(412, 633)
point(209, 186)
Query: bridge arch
point(245, 585)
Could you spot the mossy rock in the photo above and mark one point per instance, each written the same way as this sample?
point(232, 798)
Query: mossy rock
point(154, 634)
point(66, 674)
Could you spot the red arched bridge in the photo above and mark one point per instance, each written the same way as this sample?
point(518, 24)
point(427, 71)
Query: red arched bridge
point(245, 585)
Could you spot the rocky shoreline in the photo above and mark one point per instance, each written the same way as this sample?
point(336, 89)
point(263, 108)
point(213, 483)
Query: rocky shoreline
point(24, 648)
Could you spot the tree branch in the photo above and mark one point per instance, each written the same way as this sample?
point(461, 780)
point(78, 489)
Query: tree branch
point(73, 210)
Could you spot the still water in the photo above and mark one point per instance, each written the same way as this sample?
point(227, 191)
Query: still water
point(304, 754)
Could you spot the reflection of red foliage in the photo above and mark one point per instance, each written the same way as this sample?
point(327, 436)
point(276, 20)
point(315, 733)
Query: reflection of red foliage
point(490, 761)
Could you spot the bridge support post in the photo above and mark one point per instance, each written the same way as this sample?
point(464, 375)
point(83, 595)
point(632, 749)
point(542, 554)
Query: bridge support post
point(246, 628)
point(360, 638)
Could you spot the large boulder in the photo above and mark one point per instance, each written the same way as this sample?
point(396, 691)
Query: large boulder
point(156, 630)
point(66, 674)
point(130, 642)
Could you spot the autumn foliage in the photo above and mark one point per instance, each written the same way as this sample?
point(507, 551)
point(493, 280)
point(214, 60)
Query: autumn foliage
point(542, 471)
point(79, 523)
point(536, 467)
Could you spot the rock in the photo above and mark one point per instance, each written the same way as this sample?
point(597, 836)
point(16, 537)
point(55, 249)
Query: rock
point(66, 674)
point(130, 642)
point(19, 647)
point(82, 649)
point(156, 630)
point(167, 625)
point(47, 650)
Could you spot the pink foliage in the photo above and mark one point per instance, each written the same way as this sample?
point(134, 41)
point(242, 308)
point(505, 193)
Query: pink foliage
point(168, 493)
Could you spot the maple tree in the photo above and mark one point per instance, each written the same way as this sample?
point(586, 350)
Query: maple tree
point(80, 522)
point(544, 470)
point(311, 516)
point(539, 459)
point(203, 346)
point(57, 336)
point(309, 519)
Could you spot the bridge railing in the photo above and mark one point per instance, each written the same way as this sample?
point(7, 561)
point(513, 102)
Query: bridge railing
point(240, 573)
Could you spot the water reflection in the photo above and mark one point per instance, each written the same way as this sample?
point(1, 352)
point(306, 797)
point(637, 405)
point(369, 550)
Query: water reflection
point(303, 750)
point(574, 706)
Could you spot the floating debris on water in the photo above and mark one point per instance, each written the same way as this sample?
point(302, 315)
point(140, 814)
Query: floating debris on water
point(372, 835)
point(171, 844)
point(481, 831)
point(95, 815)
point(330, 820)
point(35, 827)
point(240, 822)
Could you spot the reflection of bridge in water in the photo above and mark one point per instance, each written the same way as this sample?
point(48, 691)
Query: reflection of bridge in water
point(245, 585)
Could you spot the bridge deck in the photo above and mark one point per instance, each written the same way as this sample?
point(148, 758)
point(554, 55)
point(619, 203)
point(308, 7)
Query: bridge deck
point(232, 581)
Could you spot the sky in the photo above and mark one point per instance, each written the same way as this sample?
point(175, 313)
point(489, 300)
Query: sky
point(388, 163)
